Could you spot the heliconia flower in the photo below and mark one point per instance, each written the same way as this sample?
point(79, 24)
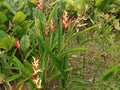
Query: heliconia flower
point(47, 31)
point(38, 81)
point(52, 26)
point(65, 18)
point(35, 72)
point(17, 44)
point(66, 25)
point(78, 23)
point(34, 66)
point(40, 87)
point(40, 4)
point(35, 63)
point(66, 22)
point(34, 75)
point(39, 84)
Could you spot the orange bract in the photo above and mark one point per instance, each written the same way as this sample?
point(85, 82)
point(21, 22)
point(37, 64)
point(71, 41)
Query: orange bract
point(34, 75)
point(40, 4)
point(52, 26)
point(66, 22)
point(47, 31)
point(17, 44)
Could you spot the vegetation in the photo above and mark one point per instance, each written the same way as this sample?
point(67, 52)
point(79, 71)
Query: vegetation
point(59, 44)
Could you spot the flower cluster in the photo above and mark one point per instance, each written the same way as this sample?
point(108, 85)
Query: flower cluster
point(47, 31)
point(78, 23)
point(35, 77)
point(17, 44)
point(40, 4)
point(50, 27)
point(66, 21)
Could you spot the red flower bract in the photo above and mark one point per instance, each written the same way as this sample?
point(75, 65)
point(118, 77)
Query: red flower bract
point(52, 26)
point(40, 4)
point(66, 22)
point(17, 44)
point(33, 74)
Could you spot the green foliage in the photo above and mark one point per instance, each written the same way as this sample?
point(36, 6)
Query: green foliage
point(3, 35)
point(25, 42)
point(13, 77)
point(3, 18)
point(7, 43)
point(19, 17)
point(85, 56)
point(8, 3)
point(112, 71)
point(76, 5)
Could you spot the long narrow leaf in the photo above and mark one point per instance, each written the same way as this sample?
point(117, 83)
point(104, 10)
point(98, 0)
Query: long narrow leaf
point(86, 30)
point(54, 59)
point(77, 80)
point(79, 87)
point(13, 77)
point(111, 72)
point(59, 36)
point(52, 14)
point(71, 52)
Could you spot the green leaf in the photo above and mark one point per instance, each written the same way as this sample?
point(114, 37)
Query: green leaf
point(100, 40)
point(60, 36)
point(7, 43)
point(68, 1)
point(25, 24)
point(58, 74)
point(32, 1)
point(71, 52)
point(79, 5)
point(7, 4)
point(3, 18)
point(18, 64)
point(54, 59)
point(102, 4)
point(111, 72)
point(79, 87)
point(108, 75)
point(21, 4)
point(77, 80)
point(19, 17)
point(86, 30)
point(98, 2)
point(21, 83)
point(25, 42)
point(3, 35)
point(9, 67)
point(52, 13)
point(13, 77)
point(28, 66)
point(116, 2)
point(3, 27)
